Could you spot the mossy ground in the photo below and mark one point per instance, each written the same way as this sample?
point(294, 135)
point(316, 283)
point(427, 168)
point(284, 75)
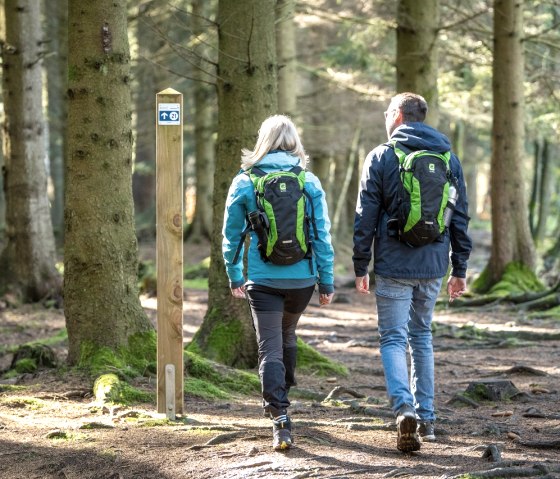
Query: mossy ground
point(517, 279)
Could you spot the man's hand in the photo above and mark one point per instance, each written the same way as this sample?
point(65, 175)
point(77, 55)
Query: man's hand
point(325, 298)
point(456, 287)
point(238, 292)
point(362, 284)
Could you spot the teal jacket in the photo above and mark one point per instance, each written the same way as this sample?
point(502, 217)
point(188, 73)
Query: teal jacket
point(241, 200)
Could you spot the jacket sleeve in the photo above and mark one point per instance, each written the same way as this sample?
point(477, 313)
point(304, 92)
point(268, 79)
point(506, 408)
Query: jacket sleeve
point(368, 209)
point(461, 244)
point(321, 243)
point(234, 223)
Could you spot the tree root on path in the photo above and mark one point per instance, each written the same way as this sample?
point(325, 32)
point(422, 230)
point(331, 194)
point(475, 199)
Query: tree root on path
point(340, 390)
point(464, 400)
point(542, 470)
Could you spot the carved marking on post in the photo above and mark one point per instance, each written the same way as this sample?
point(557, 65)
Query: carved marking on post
point(169, 211)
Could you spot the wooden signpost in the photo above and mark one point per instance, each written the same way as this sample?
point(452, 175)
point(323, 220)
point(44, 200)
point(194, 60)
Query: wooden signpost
point(169, 245)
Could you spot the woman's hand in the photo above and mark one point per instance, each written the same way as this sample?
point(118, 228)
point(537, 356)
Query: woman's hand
point(238, 293)
point(325, 298)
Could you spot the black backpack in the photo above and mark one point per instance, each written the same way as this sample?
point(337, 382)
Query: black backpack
point(280, 221)
point(426, 197)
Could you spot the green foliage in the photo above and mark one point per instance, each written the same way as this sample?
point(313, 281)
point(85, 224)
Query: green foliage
point(310, 360)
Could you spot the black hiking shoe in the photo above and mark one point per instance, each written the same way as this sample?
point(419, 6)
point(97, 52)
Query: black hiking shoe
point(426, 431)
point(407, 439)
point(282, 433)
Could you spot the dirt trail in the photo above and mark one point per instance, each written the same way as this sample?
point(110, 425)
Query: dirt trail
point(40, 435)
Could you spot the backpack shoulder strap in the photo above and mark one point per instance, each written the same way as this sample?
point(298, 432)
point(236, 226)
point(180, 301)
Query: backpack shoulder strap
point(255, 170)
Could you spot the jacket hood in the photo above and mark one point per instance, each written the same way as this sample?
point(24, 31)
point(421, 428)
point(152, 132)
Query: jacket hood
point(278, 160)
point(419, 136)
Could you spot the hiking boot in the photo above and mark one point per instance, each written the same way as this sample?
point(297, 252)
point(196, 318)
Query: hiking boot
point(426, 431)
point(407, 439)
point(281, 433)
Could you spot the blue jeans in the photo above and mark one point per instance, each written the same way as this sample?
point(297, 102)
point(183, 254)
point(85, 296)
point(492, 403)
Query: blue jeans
point(405, 309)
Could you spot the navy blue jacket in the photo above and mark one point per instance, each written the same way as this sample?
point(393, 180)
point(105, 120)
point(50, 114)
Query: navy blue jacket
point(377, 203)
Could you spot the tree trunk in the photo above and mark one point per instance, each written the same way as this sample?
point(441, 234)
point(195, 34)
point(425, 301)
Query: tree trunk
point(417, 52)
point(340, 225)
point(469, 165)
point(535, 185)
point(57, 71)
point(545, 192)
point(2, 196)
point(204, 106)
point(286, 55)
point(150, 81)
point(511, 237)
point(27, 262)
point(101, 253)
point(246, 96)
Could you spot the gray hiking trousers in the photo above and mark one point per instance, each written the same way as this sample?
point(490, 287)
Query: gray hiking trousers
point(276, 313)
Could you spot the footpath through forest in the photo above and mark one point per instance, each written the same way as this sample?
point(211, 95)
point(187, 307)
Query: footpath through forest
point(506, 426)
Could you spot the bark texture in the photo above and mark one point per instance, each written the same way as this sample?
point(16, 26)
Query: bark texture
point(101, 253)
point(417, 51)
point(246, 96)
point(27, 265)
point(511, 237)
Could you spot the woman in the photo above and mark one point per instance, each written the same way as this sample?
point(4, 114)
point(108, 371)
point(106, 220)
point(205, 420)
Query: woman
point(277, 294)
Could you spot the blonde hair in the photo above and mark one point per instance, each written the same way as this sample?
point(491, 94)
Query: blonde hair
point(277, 132)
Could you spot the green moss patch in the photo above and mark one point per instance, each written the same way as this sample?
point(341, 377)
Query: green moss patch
point(517, 279)
point(138, 359)
point(108, 388)
point(208, 379)
point(22, 402)
point(223, 342)
point(311, 361)
point(26, 365)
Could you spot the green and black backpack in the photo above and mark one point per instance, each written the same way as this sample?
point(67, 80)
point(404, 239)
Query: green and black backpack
point(427, 186)
point(280, 222)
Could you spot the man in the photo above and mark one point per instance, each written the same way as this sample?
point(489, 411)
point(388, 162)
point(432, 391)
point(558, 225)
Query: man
point(407, 279)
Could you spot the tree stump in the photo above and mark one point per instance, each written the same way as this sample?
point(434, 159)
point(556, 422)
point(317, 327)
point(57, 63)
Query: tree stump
point(492, 390)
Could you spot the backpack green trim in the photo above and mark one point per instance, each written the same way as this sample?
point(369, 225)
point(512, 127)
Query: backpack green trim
point(420, 220)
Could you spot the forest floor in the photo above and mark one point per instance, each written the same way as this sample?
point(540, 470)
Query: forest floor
point(51, 427)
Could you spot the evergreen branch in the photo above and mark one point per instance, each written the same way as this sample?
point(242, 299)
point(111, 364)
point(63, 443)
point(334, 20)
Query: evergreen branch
point(180, 75)
point(463, 20)
point(546, 30)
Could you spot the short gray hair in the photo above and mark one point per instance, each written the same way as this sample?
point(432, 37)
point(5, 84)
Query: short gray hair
point(277, 132)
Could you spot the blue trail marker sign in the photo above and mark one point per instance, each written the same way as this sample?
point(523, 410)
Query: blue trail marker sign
point(169, 113)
